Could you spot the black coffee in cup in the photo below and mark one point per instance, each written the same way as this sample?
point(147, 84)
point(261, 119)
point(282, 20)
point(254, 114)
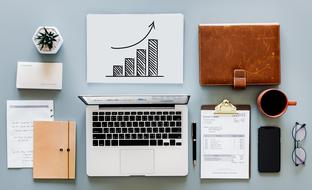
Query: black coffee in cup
point(273, 102)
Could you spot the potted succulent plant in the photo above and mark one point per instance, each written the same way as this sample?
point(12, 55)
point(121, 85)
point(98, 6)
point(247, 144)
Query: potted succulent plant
point(47, 40)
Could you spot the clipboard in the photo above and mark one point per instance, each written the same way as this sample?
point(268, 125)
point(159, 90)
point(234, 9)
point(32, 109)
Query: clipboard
point(225, 141)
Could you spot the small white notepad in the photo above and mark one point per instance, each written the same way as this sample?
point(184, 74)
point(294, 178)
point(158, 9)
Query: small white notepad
point(20, 117)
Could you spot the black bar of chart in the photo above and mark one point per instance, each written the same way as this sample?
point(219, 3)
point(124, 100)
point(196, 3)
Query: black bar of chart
point(152, 57)
point(144, 65)
point(117, 70)
point(141, 62)
point(129, 67)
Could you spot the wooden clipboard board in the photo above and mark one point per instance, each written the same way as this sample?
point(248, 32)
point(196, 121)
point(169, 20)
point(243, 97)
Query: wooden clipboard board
point(225, 108)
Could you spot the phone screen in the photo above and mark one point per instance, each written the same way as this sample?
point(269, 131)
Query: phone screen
point(269, 149)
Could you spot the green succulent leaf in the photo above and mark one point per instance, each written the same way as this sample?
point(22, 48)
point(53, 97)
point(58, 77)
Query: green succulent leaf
point(46, 39)
point(45, 30)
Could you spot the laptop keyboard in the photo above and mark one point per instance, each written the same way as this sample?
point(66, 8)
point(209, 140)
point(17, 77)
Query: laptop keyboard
point(137, 128)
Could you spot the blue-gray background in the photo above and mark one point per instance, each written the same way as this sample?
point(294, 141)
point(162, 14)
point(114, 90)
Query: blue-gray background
point(19, 20)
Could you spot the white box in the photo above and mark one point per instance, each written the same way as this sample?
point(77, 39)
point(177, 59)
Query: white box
point(38, 75)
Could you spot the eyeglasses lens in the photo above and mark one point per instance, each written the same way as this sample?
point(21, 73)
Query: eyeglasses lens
point(299, 156)
point(299, 133)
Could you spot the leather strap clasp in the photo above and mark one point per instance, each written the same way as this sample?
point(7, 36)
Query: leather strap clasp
point(239, 79)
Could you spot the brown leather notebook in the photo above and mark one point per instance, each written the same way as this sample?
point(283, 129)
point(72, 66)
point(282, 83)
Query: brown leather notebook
point(54, 150)
point(239, 54)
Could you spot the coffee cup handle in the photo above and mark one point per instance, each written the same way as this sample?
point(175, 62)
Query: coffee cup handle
point(292, 103)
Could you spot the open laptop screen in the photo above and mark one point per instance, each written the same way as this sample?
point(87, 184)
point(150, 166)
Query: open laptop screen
point(135, 99)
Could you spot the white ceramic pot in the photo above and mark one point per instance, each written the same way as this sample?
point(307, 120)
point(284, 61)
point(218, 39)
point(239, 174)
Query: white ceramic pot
point(47, 39)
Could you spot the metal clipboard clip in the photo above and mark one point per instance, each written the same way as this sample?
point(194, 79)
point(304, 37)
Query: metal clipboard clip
point(225, 107)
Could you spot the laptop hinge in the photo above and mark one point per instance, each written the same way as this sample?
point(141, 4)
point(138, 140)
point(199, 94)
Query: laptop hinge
point(137, 105)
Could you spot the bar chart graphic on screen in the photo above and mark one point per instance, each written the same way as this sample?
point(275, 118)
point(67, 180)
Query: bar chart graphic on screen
point(135, 48)
point(145, 64)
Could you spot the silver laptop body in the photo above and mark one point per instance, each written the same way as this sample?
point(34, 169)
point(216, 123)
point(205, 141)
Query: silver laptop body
point(136, 135)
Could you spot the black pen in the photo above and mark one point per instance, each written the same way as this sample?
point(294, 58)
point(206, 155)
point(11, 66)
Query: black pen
point(194, 142)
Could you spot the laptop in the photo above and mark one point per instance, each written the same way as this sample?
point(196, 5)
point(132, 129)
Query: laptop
point(136, 135)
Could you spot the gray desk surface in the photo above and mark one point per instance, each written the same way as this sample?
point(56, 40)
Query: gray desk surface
point(19, 19)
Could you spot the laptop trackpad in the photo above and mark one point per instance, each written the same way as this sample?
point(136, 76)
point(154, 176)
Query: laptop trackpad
point(137, 162)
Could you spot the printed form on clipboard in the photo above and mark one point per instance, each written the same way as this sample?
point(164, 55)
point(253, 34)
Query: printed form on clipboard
point(225, 141)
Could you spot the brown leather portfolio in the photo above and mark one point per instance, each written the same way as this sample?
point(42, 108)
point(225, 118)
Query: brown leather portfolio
point(54, 150)
point(239, 54)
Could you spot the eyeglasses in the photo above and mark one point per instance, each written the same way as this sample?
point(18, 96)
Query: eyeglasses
point(299, 135)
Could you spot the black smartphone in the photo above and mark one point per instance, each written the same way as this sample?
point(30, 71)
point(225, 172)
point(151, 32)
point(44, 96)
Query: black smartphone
point(269, 149)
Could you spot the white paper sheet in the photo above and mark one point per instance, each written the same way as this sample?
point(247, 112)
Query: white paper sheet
point(20, 117)
point(135, 48)
point(225, 145)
